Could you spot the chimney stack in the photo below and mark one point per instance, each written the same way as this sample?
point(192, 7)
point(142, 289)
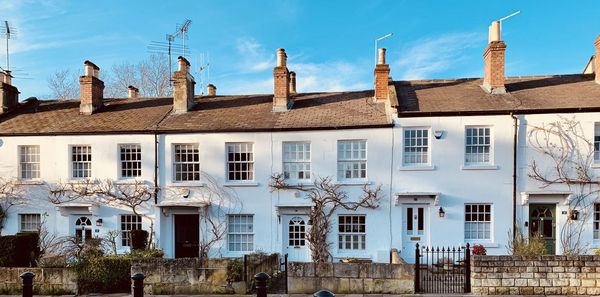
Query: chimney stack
point(281, 77)
point(212, 90)
point(597, 60)
point(382, 76)
point(133, 92)
point(9, 94)
point(292, 83)
point(92, 89)
point(493, 60)
point(183, 87)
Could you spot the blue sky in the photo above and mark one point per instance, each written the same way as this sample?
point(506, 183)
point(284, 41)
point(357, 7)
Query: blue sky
point(330, 44)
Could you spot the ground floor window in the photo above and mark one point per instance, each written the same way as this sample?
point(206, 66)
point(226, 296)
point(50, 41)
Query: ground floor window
point(478, 221)
point(29, 222)
point(129, 223)
point(351, 232)
point(240, 232)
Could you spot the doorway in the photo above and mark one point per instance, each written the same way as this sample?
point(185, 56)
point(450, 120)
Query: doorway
point(542, 223)
point(415, 229)
point(187, 236)
point(294, 238)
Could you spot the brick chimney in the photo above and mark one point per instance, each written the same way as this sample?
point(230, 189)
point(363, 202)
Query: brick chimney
point(92, 89)
point(382, 76)
point(281, 77)
point(133, 92)
point(9, 94)
point(183, 87)
point(493, 61)
point(597, 60)
point(292, 83)
point(212, 90)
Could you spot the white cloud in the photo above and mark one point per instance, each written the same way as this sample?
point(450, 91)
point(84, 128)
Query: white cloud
point(428, 56)
point(254, 57)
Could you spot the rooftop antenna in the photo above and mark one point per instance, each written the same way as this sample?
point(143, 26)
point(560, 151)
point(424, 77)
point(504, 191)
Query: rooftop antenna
point(203, 70)
point(169, 48)
point(8, 33)
point(379, 39)
point(182, 31)
point(495, 30)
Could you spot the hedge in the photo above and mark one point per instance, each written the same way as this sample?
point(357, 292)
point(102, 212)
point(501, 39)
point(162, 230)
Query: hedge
point(20, 250)
point(110, 274)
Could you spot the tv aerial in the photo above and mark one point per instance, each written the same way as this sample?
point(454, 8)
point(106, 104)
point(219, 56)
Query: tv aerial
point(7, 32)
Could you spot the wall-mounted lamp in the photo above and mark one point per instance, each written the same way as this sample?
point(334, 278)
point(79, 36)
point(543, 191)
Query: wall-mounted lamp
point(438, 134)
point(574, 214)
point(441, 212)
point(99, 222)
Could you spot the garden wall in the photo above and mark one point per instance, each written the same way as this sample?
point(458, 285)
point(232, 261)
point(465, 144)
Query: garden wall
point(186, 276)
point(350, 278)
point(47, 281)
point(539, 275)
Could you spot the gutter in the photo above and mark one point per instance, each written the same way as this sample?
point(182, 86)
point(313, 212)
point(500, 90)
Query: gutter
point(413, 114)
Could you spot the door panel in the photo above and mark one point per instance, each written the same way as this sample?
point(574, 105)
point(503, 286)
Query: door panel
point(187, 236)
point(415, 224)
point(542, 223)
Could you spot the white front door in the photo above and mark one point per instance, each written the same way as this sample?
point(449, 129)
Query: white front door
point(294, 237)
point(414, 229)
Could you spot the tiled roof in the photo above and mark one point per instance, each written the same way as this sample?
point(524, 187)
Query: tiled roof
point(524, 94)
point(210, 114)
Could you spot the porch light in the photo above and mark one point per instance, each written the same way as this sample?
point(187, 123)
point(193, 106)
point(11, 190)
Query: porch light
point(441, 212)
point(574, 214)
point(99, 222)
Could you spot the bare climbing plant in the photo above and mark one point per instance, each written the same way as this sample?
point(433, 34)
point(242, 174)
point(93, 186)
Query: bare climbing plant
point(570, 154)
point(11, 194)
point(327, 197)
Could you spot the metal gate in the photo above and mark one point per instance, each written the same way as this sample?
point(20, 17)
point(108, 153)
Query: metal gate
point(274, 265)
point(444, 270)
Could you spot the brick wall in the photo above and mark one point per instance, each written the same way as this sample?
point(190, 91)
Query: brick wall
point(539, 275)
point(350, 278)
point(47, 281)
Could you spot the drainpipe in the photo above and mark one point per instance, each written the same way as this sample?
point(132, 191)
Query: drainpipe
point(514, 177)
point(155, 167)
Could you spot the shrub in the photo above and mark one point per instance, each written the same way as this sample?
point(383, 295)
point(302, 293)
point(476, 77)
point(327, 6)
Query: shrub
point(521, 246)
point(479, 249)
point(235, 270)
point(139, 239)
point(20, 250)
point(97, 273)
point(147, 253)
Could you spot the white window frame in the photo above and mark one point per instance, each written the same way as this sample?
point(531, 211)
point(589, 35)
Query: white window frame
point(300, 163)
point(132, 222)
point(32, 226)
point(427, 147)
point(28, 160)
point(479, 223)
point(596, 142)
point(490, 161)
point(175, 163)
point(596, 222)
point(73, 162)
point(344, 161)
point(129, 153)
point(234, 234)
point(356, 239)
point(244, 148)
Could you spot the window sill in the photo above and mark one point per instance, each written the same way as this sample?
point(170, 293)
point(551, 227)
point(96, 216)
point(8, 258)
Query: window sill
point(479, 167)
point(81, 181)
point(417, 168)
point(186, 184)
point(299, 183)
point(129, 181)
point(596, 165)
point(30, 182)
point(353, 182)
point(240, 184)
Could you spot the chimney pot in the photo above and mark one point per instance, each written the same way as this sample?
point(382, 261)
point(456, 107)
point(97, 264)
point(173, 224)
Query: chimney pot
point(9, 94)
point(133, 92)
point(183, 64)
point(597, 60)
point(281, 58)
point(183, 87)
point(281, 88)
point(292, 83)
point(495, 33)
point(92, 89)
point(382, 76)
point(212, 90)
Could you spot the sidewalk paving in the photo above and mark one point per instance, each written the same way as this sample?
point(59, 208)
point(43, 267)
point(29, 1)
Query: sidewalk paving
point(305, 295)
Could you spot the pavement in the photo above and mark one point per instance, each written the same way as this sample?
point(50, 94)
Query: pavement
point(306, 295)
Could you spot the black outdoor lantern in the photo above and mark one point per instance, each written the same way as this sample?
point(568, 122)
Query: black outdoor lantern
point(99, 222)
point(441, 212)
point(574, 214)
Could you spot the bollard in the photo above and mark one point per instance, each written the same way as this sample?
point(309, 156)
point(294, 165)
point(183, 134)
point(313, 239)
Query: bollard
point(138, 284)
point(323, 293)
point(261, 284)
point(27, 284)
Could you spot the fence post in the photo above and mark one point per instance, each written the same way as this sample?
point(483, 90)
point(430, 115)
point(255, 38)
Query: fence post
point(261, 284)
point(246, 269)
point(323, 293)
point(468, 269)
point(417, 270)
point(138, 284)
point(27, 283)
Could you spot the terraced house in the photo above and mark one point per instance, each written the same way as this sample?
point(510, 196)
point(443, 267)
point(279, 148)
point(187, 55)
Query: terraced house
point(458, 161)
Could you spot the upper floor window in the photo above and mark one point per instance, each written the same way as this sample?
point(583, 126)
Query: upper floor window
point(240, 161)
point(29, 222)
point(416, 146)
point(352, 159)
point(240, 232)
point(129, 223)
point(296, 160)
point(478, 221)
point(29, 161)
point(478, 145)
point(352, 232)
point(131, 160)
point(81, 161)
point(597, 143)
point(186, 162)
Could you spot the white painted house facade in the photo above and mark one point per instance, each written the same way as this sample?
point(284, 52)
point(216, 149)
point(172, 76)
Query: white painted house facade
point(443, 151)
